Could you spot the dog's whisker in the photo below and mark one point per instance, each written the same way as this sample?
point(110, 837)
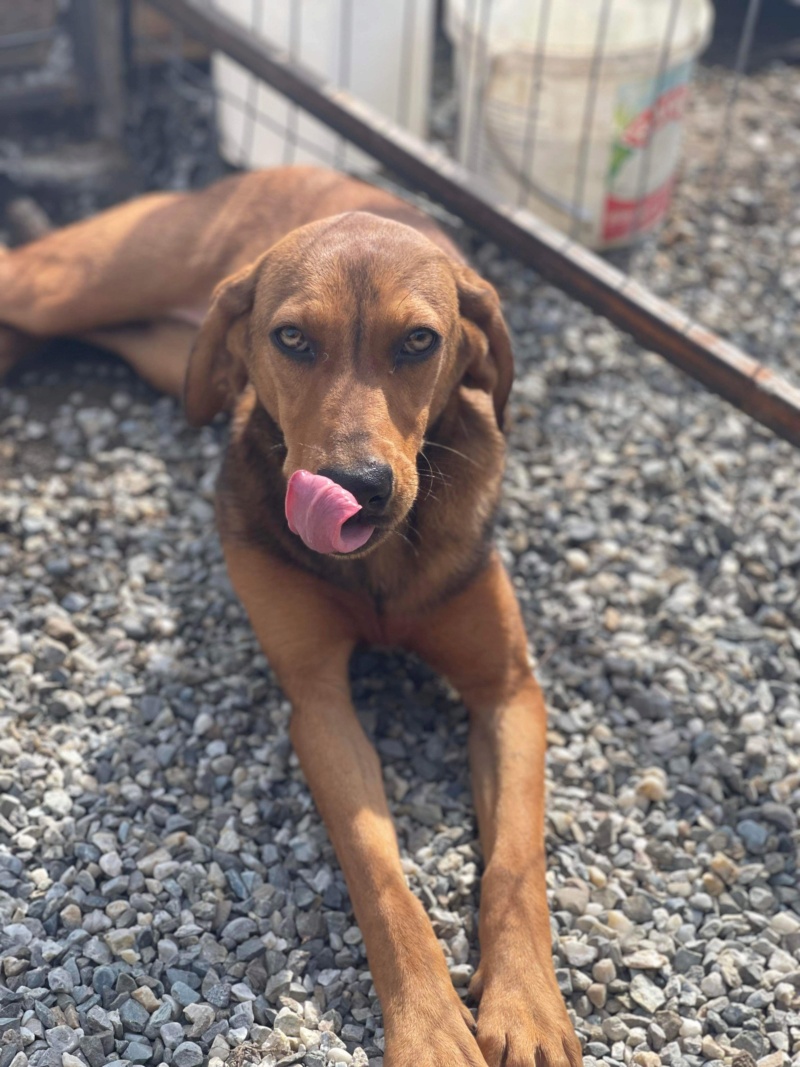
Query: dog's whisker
point(432, 475)
point(408, 541)
point(437, 472)
point(440, 473)
point(455, 451)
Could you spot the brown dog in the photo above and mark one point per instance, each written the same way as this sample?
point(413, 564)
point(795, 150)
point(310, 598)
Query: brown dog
point(368, 367)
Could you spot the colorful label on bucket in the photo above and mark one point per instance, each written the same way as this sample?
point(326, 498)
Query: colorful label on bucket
point(648, 119)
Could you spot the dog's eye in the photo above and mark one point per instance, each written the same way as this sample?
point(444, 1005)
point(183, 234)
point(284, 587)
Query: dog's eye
point(420, 342)
point(292, 341)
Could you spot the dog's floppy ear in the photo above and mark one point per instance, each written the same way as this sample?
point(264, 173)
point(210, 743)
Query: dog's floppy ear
point(216, 372)
point(489, 359)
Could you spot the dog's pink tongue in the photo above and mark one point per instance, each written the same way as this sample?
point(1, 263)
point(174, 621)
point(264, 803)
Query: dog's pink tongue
point(317, 508)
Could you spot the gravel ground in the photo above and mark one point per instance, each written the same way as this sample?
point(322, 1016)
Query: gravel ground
point(167, 892)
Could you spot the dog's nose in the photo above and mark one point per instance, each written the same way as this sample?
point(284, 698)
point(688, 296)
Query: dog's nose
point(371, 484)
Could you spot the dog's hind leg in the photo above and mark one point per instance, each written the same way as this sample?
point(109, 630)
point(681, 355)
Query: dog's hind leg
point(133, 263)
point(158, 351)
point(113, 280)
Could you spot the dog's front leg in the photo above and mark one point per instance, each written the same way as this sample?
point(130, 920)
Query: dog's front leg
point(479, 642)
point(308, 639)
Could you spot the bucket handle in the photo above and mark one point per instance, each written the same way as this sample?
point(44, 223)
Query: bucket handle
point(572, 211)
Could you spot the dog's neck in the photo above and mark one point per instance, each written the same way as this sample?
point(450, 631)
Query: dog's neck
point(440, 546)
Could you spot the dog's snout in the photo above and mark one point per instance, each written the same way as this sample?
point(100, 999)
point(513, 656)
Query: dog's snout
point(371, 484)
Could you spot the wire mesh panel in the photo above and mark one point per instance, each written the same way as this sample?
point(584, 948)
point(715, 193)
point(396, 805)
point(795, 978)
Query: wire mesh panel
point(610, 140)
point(354, 44)
point(728, 253)
point(559, 105)
point(609, 130)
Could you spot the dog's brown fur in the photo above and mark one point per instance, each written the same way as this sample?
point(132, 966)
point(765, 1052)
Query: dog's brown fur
point(357, 270)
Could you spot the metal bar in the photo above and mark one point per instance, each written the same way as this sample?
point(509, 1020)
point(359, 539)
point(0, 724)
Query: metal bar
point(63, 93)
point(266, 122)
point(28, 37)
point(293, 118)
point(656, 324)
point(646, 157)
point(407, 64)
point(344, 72)
point(590, 105)
point(715, 182)
point(80, 16)
point(469, 115)
point(251, 110)
point(534, 103)
point(477, 80)
point(107, 23)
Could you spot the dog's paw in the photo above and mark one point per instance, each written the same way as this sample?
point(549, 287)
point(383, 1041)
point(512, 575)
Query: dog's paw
point(433, 1036)
point(524, 1023)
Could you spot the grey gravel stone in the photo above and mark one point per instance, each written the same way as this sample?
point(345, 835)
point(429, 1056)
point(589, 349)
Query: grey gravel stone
point(219, 995)
point(646, 960)
point(201, 1017)
point(60, 980)
point(578, 954)
point(713, 985)
point(183, 994)
point(133, 1016)
point(172, 1034)
point(139, 1051)
point(187, 1054)
point(63, 1038)
point(750, 1042)
point(646, 993)
point(754, 835)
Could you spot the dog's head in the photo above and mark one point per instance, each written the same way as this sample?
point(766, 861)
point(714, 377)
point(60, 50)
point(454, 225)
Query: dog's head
point(353, 331)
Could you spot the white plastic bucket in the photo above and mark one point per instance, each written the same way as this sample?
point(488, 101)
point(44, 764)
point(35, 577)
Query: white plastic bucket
point(574, 110)
point(379, 51)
